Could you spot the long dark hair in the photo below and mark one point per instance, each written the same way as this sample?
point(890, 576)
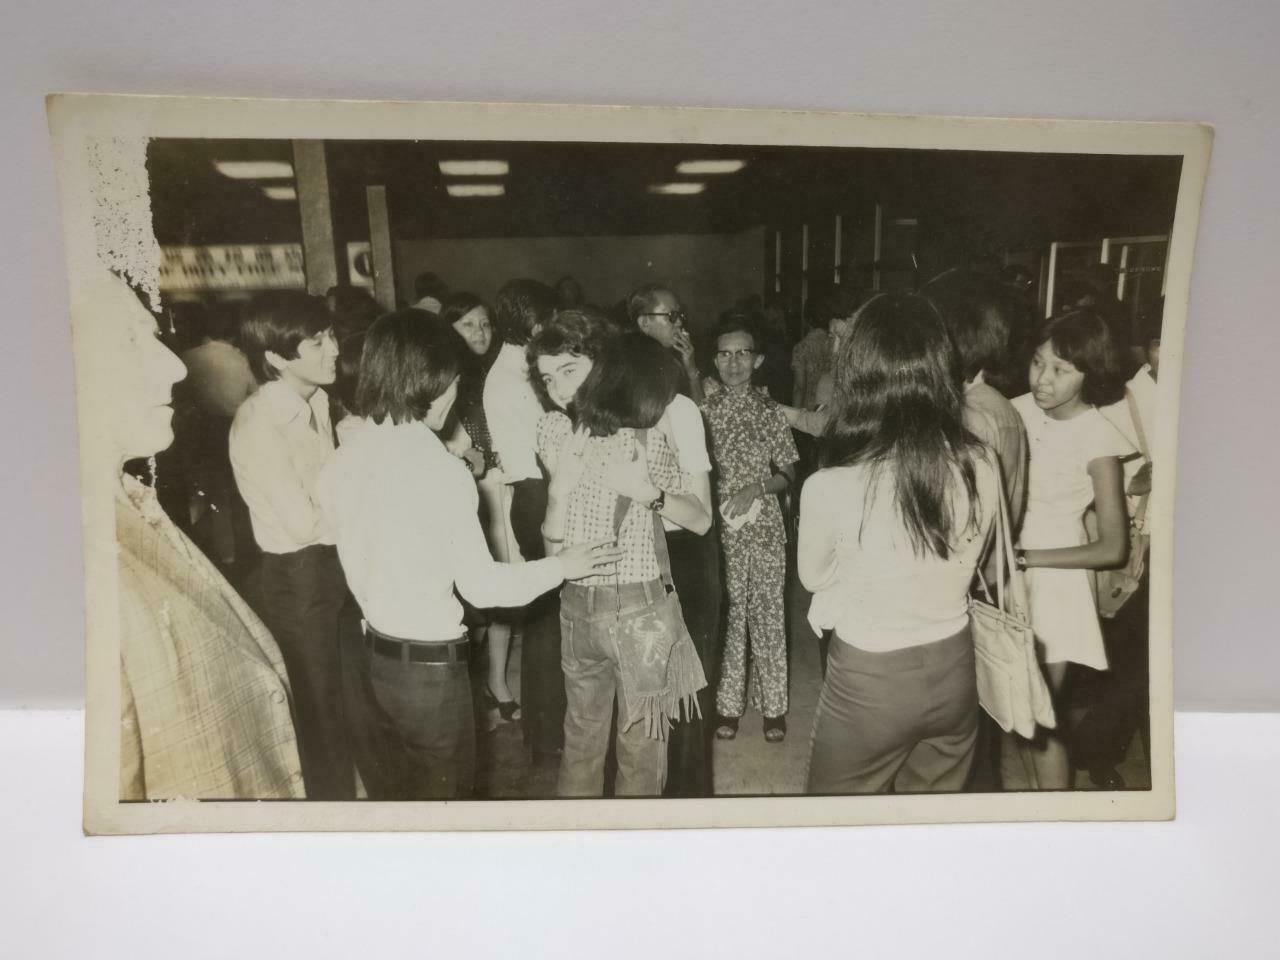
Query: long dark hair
point(471, 368)
point(898, 401)
point(631, 383)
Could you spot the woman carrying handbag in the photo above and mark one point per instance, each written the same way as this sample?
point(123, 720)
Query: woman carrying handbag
point(891, 531)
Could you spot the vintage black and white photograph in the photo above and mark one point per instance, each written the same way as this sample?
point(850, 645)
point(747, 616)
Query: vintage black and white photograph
point(481, 466)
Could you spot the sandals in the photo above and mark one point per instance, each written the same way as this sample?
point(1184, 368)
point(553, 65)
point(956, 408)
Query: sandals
point(775, 729)
point(508, 709)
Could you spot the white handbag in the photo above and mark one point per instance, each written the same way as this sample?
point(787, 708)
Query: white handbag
point(1011, 685)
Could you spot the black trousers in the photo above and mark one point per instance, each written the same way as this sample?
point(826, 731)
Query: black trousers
point(371, 734)
point(435, 726)
point(1123, 705)
point(302, 594)
point(542, 693)
point(695, 568)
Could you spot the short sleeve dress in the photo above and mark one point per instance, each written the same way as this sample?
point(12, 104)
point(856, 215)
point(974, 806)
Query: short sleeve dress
point(1064, 612)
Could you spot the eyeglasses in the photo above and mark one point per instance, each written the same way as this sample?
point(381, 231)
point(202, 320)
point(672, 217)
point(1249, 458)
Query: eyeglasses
point(727, 355)
point(676, 318)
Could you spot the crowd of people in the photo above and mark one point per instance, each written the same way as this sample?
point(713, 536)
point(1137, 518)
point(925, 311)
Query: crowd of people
point(399, 495)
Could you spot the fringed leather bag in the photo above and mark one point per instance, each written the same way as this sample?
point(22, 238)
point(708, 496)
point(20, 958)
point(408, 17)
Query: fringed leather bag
point(661, 672)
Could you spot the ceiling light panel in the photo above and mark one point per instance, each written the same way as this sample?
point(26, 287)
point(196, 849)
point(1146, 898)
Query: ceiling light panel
point(280, 193)
point(254, 169)
point(677, 189)
point(474, 168)
point(476, 189)
point(700, 168)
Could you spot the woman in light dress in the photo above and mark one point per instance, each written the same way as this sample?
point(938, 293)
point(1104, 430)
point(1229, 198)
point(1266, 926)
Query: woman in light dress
point(1076, 459)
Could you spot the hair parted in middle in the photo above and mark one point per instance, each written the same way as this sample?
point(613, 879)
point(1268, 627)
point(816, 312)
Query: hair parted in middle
point(631, 383)
point(898, 404)
point(407, 363)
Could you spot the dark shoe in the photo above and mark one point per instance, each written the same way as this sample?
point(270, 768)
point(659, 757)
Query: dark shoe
point(775, 729)
point(547, 757)
point(727, 729)
point(508, 709)
point(1107, 778)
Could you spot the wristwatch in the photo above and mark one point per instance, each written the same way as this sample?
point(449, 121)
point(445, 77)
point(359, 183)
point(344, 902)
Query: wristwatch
point(1020, 559)
point(658, 502)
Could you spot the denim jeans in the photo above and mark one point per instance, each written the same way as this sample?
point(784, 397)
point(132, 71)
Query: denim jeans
point(593, 678)
point(431, 708)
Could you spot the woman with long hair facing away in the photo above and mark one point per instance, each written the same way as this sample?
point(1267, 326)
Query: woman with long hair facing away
point(1075, 461)
point(891, 530)
point(622, 635)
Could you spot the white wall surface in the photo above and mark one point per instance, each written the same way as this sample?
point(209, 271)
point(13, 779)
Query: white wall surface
point(1138, 59)
point(1200, 887)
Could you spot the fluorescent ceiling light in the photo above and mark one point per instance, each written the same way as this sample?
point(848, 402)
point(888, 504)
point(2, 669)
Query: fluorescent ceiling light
point(698, 168)
point(476, 189)
point(683, 189)
point(280, 193)
point(254, 169)
point(474, 168)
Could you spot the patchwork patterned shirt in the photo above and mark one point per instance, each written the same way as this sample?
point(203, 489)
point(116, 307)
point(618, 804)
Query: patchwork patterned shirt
point(589, 514)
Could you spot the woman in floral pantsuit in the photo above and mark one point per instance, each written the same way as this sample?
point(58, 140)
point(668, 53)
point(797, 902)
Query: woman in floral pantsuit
point(750, 438)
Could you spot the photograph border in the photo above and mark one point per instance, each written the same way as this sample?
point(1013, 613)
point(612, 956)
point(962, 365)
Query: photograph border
point(77, 119)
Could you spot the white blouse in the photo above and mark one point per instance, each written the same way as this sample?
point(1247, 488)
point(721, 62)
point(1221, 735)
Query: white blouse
point(868, 583)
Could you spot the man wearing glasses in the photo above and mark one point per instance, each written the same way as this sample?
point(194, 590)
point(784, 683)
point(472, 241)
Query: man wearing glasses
point(657, 312)
point(695, 560)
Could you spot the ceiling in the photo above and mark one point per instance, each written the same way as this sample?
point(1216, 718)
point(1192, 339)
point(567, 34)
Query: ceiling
point(584, 189)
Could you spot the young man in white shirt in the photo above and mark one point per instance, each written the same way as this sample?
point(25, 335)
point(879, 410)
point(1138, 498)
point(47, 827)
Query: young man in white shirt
point(404, 512)
point(695, 558)
point(512, 411)
point(280, 438)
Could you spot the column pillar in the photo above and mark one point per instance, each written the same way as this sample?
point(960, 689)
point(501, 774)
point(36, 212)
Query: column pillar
point(319, 251)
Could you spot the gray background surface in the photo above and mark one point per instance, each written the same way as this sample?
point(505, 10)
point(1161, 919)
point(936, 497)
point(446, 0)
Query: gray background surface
point(1123, 60)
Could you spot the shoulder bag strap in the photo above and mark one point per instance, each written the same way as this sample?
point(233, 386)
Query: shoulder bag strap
point(1137, 423)
point(1004, 556)
point(659, 532)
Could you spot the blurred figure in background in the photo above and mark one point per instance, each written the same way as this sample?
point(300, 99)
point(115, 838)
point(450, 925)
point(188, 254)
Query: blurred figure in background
point(429, 292)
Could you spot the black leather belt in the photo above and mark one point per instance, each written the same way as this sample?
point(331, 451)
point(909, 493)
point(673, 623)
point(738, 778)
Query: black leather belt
point(417, 651)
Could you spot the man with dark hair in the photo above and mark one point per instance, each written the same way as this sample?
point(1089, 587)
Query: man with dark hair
point(980, 313)
point(657, 313)
point(404, 513)
point(695, 557)
point(279, 440)
point(512, 410)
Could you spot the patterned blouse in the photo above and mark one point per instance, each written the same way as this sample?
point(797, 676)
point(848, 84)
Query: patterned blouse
point(748, 433)
point(589, 514)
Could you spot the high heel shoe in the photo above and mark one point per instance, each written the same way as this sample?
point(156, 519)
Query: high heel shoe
point(508, 709)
